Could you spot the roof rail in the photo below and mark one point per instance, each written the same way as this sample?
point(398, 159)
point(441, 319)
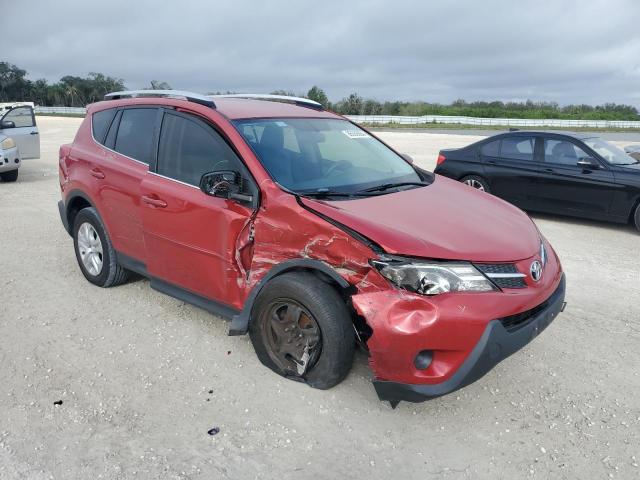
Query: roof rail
point(300, 101)
point(190, 96)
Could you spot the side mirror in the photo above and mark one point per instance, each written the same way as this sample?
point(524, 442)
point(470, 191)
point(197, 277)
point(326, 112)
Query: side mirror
point(407, 157)
point(224, 184)
point(588, 163)
point(7, 124)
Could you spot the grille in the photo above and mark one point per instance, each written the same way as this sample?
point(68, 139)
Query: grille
point(494, 270)
point(514, 322)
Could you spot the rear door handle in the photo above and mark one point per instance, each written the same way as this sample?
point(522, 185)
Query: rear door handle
point(96, 172)
point(548, 170)
point(34, 133)
point(154, 201)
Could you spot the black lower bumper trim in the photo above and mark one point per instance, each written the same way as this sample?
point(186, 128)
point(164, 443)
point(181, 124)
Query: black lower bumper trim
point(495, 344)
point(63, 217)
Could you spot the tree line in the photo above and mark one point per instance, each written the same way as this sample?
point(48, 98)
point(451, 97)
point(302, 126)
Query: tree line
point(75, 91)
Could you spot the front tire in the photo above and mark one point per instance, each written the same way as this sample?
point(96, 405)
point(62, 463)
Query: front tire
point(11, 176)
point(301, 329)
point(636, 217)
point(94, 252)
point(476, 182)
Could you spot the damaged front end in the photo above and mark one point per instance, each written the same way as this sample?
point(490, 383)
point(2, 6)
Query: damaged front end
point(430, 327)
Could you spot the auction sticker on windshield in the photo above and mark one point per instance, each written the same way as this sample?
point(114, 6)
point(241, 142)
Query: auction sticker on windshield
point(356, 134)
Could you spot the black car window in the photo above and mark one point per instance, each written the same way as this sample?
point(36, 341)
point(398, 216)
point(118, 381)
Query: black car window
point(135, 133)
point(517, 148)
point(20, 116)
point(100, 122)
point(562, 152)
point(491, 149)
point(190, 148)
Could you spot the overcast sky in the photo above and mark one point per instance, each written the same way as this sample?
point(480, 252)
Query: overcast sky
point(554, 50)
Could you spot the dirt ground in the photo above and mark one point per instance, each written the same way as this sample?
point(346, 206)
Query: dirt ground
point(142, 377)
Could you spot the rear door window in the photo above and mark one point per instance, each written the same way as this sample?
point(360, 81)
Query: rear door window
point(135, 133)
point(517, 148)
point(491, 149)
point(189, 148)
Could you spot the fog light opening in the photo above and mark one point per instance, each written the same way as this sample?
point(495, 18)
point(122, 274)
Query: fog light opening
point(423, 359)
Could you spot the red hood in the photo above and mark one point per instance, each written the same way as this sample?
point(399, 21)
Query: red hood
point(445, 220)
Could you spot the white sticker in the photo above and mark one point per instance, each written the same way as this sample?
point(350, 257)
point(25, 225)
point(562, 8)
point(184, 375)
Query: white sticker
point(356, 134)
point(281, 124)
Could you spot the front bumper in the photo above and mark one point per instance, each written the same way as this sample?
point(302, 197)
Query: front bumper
point(495, 344)
point(9, 160)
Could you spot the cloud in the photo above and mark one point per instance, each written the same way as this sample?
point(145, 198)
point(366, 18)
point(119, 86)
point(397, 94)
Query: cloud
point(568, 52)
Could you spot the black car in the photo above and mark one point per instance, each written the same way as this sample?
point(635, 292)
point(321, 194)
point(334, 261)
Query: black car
point(567, 173)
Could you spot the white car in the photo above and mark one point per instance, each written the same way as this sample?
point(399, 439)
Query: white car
point(19, 123)
point(9, 159)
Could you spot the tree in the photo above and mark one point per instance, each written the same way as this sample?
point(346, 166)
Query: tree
point(317, 94)
point(158, 85)
point(286, 93)
point(13, 84)
point(352, 105)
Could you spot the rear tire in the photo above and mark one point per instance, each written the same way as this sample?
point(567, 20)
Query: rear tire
point(636, 217)
point(94, 252)
point(11, 176)
point(476, 182)
point(329, 354)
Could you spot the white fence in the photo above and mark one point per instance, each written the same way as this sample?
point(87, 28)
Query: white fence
point(60, 110)
point(385, 119)
point(480, 122)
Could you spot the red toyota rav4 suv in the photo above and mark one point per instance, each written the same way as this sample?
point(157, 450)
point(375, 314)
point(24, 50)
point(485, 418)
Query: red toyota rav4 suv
point(309, 233)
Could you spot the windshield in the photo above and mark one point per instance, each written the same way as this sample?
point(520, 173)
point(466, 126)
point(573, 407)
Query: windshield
point(610, 153)
point(310, 154)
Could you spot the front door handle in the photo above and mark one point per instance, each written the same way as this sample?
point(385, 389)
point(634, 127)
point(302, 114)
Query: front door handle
point(154, 201)
point(96, 172)
point(34, 133)
point(548, 170)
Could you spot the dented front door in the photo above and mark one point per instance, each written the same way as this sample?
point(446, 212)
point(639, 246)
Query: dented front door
point(192, 239)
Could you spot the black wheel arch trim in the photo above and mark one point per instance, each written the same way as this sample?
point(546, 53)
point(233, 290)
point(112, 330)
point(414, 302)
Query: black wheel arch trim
point(240, 322)
point(63, 208)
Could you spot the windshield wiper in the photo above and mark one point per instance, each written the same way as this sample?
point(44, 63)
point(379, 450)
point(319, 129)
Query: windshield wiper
point(387, 186)
point(325, 192)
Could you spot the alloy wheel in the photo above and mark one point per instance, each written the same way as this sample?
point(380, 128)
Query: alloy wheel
point(472, 182)
point(90, 249)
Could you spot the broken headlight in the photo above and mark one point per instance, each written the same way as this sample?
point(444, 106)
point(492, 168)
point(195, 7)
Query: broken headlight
point(433, 278)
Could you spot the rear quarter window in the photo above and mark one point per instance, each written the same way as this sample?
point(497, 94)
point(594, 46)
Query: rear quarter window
point(100, 122)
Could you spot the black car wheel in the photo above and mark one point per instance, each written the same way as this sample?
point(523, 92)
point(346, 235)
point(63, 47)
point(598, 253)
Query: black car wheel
point(476, 182)
point(94, 252)
point(636, 217)
point(301, 329)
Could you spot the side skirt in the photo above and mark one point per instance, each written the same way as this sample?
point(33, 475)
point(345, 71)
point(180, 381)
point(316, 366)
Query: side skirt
point(211, 306)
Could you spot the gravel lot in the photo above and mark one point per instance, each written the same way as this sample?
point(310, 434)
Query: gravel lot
point(143, 377)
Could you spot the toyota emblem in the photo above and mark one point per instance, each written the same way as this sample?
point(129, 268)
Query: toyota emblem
point(536, 270)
